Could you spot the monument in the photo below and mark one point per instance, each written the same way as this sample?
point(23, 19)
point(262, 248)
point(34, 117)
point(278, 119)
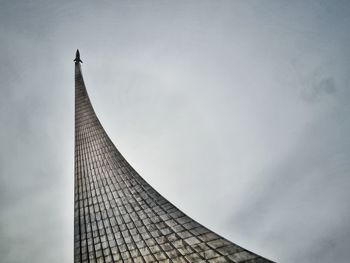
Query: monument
point(119, 217)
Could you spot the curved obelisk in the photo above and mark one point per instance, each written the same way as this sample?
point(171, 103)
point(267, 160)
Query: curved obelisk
point(119, 217)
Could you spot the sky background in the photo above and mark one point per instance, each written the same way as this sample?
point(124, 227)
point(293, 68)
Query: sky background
point(236, 111)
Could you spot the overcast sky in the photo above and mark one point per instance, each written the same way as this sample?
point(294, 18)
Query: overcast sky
point(236, 111)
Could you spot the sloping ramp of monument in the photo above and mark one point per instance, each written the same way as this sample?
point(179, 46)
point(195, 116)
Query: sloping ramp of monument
point(119, 217)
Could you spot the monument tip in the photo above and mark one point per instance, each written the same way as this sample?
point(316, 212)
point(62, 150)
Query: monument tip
point(77, 57)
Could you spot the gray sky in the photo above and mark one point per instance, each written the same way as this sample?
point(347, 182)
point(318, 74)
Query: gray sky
point(236, 111)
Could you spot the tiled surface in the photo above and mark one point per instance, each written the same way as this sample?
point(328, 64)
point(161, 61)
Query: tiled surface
point(120, 218)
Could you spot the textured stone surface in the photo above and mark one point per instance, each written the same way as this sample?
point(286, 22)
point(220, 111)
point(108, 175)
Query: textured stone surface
point(119, 217)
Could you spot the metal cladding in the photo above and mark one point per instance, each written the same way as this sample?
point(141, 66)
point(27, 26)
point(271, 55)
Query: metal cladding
point(119, 217)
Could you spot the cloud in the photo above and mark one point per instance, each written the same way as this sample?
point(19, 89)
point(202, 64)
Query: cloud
point(319, 89)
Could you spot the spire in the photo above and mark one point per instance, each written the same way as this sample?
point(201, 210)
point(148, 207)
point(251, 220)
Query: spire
point(77, 57)
point(119, 217)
